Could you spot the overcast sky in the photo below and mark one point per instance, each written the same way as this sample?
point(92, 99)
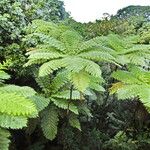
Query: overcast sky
point(90, 10)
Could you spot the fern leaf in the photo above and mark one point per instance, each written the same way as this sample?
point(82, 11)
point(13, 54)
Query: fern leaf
point(98, 56)
point(13, 104)
point(49, 123)
point(126, 77)
point(74, 121)
point(66, 95)
point(24, 90)
point(97, 87)
point(44, 83)
point(49, 67)
point(40, 102)
point(80, 81)
point(59, 81)
point(13, 122)
point(3, 76)
point(63, 103)
point(4, 142)
point(71, 39)
point(45, 55)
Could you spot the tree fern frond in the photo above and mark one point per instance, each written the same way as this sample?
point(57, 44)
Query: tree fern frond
point(66, 95)
point(77, 64)
point(98, 56)
point(74, 121)
point(49, 67)
point(71, 39)
point(45, 55)
point(40, 102)
point(63, 103)
point(134, 84)
point(33, 62)
point(126, 77)
point(49, 123)
point(13, 104)
point(43, 83)
point(59, 81)
point(41, 26)
point(55, 43)
point(13, 122)
point(80, 80)
point(4, 142)
point(115, 87)
point(95, 42)
point(24, 90)
point(97, 87)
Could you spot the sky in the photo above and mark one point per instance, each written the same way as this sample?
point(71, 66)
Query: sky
point(90, 10)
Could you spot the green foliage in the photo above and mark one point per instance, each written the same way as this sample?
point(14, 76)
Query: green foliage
point(4, 143)
point(126, 52)
point(133, 11)
point(17, 104)
point(67, 65)
point(121, 142)
point(134, 83)
point(71, 52)
point(49, 123)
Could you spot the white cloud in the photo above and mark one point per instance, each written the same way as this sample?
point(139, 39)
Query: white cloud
point(90, 10)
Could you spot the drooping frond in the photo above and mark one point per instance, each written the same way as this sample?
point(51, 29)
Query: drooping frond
point(74, 121)
point(43, 83)
point(49, 123)
point(4, 142)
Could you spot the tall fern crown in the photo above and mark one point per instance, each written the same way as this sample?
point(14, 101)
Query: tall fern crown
point(69, 51)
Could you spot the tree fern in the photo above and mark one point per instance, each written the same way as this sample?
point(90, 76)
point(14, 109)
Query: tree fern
point(69, 51)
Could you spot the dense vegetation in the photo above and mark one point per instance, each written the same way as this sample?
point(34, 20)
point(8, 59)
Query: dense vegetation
point(72, 86)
